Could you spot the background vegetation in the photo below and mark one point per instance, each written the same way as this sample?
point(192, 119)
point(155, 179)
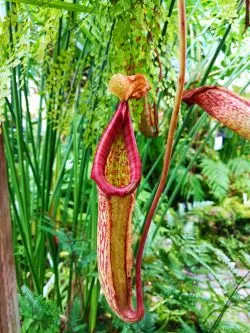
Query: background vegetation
point(56, 60)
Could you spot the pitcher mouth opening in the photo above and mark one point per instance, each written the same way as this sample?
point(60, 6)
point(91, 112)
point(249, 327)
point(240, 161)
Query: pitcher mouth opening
point(117, 146)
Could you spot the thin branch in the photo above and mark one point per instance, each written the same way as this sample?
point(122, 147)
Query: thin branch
point(168, 151)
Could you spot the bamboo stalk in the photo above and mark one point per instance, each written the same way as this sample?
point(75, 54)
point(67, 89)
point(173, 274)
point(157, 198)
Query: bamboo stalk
point(9, 314)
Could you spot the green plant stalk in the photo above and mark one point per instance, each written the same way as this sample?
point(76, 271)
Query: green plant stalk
point(71, 19)
point(59, 180)
point(67, 196)
point(29, 127)
point(241, 69)
point(165, 27)
point(150, 172)
point(53, 246)
point(77, 186)
point(227, 304)
point(73, 82)
point(39, 123)
point(26, 150)
point(21, 185)
point(78, 180)
point(18, 118)
point(76, 175)
point(93, 305)
point(47, 167)
point(15, 184)
point(47, 164)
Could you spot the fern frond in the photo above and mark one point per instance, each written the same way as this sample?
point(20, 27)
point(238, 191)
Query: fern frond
point(75, 317)
point(191, 185)
point(223, 258)
point(239, 166)
point(217, 177)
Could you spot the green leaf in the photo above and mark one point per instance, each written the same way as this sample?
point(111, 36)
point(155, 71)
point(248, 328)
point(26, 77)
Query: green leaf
point(217, 177)
point(54, 4)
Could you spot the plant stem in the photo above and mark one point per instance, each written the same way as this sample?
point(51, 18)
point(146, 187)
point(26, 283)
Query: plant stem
point(227, 304)
point(170, 140)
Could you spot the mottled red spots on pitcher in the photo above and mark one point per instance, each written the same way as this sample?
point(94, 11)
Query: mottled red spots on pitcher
point(230, 109)
point(117, 172)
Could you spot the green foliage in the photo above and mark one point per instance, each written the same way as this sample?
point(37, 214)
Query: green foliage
point(228, 10)
point(37, 314)
point(75, 318)
point(191, 187)
point(217, 177)
point(197, 272)
point(239, 167)
point(53, 4)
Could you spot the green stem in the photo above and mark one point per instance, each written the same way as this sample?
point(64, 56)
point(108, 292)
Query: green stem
point(227, 304)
